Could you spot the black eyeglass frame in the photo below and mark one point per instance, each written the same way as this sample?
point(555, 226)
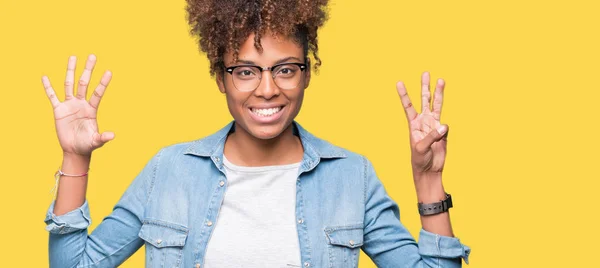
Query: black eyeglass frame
point(230, 69)
point(302, 67)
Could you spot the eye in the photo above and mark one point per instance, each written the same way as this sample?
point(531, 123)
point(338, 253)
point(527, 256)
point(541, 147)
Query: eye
point(287, 70)
point(245, 73)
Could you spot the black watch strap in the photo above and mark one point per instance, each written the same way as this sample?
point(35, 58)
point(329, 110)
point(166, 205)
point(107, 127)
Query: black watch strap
point(435, 208)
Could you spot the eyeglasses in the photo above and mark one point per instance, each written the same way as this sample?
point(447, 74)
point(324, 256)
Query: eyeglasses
point(286, 76)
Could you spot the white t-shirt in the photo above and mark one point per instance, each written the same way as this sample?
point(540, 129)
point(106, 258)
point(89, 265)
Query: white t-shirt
point(256, 226)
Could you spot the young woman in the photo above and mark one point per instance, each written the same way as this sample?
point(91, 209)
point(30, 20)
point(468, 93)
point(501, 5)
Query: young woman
point(262, 191)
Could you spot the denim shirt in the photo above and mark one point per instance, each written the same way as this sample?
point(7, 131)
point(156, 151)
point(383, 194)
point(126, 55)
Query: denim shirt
point(171, 207)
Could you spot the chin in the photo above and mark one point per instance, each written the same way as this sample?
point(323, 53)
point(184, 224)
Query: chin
point(266, 132)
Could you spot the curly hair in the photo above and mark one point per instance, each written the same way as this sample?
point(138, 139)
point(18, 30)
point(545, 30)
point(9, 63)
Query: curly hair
point(223, 25)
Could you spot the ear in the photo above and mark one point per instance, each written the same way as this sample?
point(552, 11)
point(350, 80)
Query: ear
point(307, 73)
point(220, 83)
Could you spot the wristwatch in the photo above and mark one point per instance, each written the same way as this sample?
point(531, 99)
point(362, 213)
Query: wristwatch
point(435, 208)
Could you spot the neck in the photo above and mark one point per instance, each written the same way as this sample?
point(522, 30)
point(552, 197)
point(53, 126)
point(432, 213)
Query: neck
point(241, 148)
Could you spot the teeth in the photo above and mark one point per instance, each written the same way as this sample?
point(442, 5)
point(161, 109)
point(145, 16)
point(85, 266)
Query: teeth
point(266, 112)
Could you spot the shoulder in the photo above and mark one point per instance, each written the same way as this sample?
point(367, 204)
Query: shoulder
point(178, 148)
point(206, 146)
point(324, 149)
point(332, 155)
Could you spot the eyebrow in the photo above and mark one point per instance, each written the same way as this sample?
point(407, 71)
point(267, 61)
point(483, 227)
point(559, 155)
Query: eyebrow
point(249, 62)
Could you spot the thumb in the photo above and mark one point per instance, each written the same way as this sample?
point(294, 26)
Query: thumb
point(433, 136)
point(101, 139)
point(107, 136)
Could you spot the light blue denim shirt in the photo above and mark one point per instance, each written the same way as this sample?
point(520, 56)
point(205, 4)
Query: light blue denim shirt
point(172, 206)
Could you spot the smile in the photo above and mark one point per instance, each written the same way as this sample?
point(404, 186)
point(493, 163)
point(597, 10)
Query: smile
point(266, 112)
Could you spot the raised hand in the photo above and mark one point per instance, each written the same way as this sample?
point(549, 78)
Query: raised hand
point(75, 117)
point(427, 134)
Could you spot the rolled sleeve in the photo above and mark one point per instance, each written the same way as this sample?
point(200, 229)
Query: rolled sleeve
point(390, 244)
point(435, 245)
point(75, 220)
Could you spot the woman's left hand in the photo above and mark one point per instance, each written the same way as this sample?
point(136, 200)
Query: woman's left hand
point(427, 134)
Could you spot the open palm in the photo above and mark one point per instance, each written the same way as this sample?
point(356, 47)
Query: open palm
point(427, 135)
point(75, 118)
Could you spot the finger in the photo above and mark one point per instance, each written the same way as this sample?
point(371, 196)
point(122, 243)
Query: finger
point(425, 93)
point(84, 80)
point(99, 140)
point(70, 79)
point(99, 91)
point(433, 136)
point(438, 99)
point(50, 92)
point(409, 110)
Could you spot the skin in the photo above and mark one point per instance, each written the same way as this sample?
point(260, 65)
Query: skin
point(77, 131)
point(253, 143)
point(260, 144)
point(428, 143)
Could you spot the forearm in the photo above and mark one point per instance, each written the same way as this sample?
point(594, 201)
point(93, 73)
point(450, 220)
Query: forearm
point(430, 189)
point(390, 244)
point(72, 190)
point(70, 245)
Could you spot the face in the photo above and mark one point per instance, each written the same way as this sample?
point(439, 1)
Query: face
point(269, 110)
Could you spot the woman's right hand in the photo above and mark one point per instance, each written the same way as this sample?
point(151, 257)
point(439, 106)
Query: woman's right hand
point(75, 117)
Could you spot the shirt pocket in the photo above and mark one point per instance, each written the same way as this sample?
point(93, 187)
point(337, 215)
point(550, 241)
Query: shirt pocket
point(344, 244)
point(164, 243)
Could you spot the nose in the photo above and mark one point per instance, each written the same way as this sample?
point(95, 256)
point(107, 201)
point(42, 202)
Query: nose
point(267, 87)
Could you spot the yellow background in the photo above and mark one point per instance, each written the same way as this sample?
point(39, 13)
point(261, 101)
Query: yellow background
point(521, 101)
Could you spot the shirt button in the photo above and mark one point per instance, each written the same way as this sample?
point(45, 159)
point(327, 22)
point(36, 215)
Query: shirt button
point(217, 158)
point(209, 223)
point(351, 242)
point(306, 264)
point(300, 221)
point(159, 241)
point(221, 183)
